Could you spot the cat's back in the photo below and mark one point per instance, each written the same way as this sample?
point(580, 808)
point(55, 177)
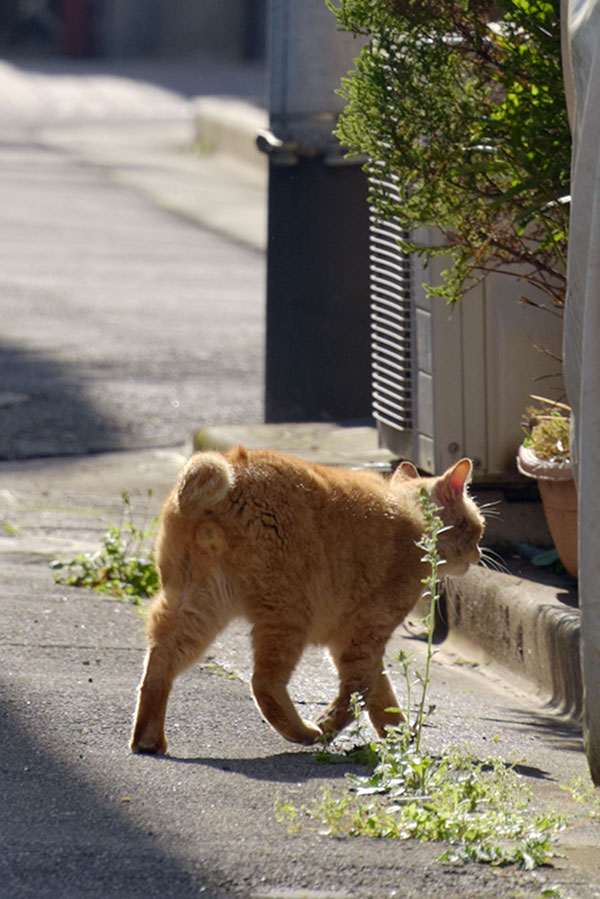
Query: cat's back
point(293, 506)
point(271, 478)
point(270, 525)
point(329, 537)
point(241, 486)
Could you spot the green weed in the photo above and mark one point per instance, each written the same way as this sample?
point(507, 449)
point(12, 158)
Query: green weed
point(9, 530)
point(123, 567)
point(586, 794)
point(479, 808)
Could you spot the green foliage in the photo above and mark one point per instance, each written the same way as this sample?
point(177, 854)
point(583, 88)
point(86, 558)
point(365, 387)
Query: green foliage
point(8, 529)
point(479, 808)
point(547, 430)
point(468, 120)
point(123, 567)
point(585, 793)
point(351, 745)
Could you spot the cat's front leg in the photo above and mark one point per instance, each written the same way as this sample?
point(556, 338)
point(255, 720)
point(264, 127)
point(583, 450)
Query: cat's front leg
point(360, 669)
point(382, 705)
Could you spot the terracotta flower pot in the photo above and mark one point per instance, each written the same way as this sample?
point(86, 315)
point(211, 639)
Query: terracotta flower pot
point(559, 498)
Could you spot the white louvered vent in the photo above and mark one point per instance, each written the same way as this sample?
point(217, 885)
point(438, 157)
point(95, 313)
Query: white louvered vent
point(391, 317)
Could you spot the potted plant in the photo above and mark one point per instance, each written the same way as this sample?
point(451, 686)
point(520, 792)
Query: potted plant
point(545, 456)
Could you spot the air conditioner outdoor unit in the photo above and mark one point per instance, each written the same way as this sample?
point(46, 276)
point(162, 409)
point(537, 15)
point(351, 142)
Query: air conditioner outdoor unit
point(454, 381)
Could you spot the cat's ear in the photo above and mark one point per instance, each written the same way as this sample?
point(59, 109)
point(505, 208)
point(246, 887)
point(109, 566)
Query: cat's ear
point(405, 471)
point(453, 482)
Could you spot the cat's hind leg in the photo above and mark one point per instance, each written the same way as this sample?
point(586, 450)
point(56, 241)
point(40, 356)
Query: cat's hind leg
point(179, 631)
point(149, 721)
point(276, 654)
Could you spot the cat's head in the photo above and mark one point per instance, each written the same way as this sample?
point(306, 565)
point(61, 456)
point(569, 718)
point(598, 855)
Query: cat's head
point(458, 546)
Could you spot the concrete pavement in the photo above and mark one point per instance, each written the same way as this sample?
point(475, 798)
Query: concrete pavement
point(82, 817)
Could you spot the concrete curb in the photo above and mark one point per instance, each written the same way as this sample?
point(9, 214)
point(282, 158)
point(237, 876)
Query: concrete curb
point(327, 443)
point(229, 125)
point(522, 626)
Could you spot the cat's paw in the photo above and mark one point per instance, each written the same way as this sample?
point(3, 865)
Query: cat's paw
point(148, 747)
point(308, 735)
point(316, 735)
point(327, 734)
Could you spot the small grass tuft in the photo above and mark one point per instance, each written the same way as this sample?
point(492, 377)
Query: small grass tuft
point(123, 567)
point(7, 529)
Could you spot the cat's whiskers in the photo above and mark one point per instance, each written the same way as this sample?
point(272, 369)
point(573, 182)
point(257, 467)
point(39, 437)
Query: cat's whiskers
point(488, 510)
point(492, 560)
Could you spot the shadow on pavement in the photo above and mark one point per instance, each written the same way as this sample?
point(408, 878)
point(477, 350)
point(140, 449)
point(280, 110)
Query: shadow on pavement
point(44, 412)
point(284, 767)
point(554, 733)
point(563, 735)
point(60, 839)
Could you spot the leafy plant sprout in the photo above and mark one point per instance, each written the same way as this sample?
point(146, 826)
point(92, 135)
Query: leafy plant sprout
point(547, 429)
point(428, 543)
point(123, 567)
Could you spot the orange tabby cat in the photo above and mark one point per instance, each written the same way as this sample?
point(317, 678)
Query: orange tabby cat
point(309, 555)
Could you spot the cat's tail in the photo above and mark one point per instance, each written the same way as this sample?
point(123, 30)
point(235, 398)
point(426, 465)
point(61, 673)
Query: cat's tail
point(202, 483)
